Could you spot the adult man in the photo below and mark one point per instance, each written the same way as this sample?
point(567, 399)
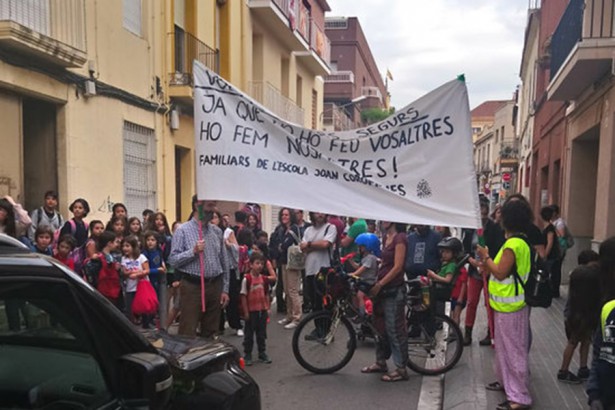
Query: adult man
point(187, 252)
point(46, 215)
point(301, 224)
point(356, 227)
point(317, 242)
point(423, 251)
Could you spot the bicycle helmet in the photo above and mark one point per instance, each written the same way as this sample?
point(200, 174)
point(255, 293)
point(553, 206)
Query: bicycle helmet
point(451, 243)
point(370, 241)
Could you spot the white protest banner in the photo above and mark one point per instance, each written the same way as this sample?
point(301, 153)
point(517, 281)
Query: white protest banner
point(416, 166)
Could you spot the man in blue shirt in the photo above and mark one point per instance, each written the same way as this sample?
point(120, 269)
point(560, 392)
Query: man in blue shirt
point(422, 252)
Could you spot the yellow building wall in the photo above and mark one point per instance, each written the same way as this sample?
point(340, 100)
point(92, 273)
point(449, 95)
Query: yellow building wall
point(11, 166)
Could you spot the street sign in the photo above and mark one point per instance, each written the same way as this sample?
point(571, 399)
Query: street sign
point(506, 185)
point(506, 176)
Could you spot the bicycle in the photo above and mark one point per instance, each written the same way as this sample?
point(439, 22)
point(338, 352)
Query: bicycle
point(325, 341)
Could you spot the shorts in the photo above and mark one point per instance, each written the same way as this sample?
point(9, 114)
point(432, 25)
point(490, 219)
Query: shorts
point(575, 336)
point(455, 303)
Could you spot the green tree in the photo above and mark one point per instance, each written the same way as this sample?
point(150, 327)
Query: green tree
point(373, 115)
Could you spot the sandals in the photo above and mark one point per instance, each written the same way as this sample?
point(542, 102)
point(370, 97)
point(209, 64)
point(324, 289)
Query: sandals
point(374, 368)
point(495, 386)
point(395, 376)
point(508, 405)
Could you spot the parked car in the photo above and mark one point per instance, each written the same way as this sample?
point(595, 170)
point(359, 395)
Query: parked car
point(64, 346)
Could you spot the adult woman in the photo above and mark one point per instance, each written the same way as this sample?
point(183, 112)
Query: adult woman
point(288, 234)
point(232, 249)
point(7, 218)
point(389, 297)
point(253, 224)
point(507, 299)
point(552, 250)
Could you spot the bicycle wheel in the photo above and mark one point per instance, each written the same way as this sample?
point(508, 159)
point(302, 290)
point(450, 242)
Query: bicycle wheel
point(435, 344)
point(322, 344)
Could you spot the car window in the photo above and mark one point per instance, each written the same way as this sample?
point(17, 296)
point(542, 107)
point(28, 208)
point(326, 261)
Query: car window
point(46, 354)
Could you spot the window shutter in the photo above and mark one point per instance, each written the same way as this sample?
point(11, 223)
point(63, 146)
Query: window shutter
point(132, 16)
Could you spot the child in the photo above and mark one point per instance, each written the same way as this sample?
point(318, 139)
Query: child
point(91, 246)
point(445, 280)
point(42, 240)
point(581, 315)
point(255, 304)
point(135, 228)
point(46, 215)
point(102, 272)
point(118, 225)
point(77, 227)
point(369, 248)
point(135, 267)
point(153, 253)
point(66, 244)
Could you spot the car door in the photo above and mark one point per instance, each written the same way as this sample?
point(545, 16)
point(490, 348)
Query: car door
point(50, 358)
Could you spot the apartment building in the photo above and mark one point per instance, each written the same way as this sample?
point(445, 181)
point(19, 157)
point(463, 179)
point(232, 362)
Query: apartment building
point(527, 97)
point(483, 138)
point(355, 82)
point(581, 79)
point(81, 102)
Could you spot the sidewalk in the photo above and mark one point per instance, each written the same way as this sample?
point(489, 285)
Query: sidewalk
point(464, 386)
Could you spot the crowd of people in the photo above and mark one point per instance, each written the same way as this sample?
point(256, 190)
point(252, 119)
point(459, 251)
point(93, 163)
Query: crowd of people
point(218, 274)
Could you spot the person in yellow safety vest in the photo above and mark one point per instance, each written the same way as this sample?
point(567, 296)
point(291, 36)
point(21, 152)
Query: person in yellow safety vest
point(601, 383)
point(511, 314)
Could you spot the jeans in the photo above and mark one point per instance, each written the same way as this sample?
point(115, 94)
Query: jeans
point(390, 321)
point(256, 325)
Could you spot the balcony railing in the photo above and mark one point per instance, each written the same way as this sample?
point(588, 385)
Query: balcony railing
point(274, 100)
point(303, 23)
point(371, 92)
point(186, 49)
point(54, 29)
point(567, 34)
point(340, 77)
point(333, 115)
point(320, 43)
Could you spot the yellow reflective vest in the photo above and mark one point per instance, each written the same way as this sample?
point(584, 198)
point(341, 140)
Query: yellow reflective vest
point(504, 296)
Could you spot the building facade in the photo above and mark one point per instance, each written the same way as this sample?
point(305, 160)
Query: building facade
point(82, 102)
point(355, 82)
point(581, 69)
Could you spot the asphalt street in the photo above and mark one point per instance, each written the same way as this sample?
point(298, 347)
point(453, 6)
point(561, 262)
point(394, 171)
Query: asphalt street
point(286, 385)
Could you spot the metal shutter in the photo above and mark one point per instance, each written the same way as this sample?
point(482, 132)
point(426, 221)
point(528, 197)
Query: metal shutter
point(139, 168)
point(132, 16)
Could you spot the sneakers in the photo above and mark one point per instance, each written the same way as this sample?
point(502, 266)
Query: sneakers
point(264, 358)
point(583, 373)
point(566, 376)
point(283, 321)
point(485, 342)
point(239, 332)
point(291, 325)
point(247, 359)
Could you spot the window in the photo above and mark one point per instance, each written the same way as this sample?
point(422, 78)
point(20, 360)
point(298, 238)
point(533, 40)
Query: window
point(497, 136)
point(139, 168)
point(314, 109)
point(132, 16)
point(47, 353)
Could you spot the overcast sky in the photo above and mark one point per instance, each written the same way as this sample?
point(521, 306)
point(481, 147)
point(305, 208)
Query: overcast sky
point(427, 43)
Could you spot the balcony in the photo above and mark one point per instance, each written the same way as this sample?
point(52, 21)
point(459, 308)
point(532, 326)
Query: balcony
point(372, 92)
point(318, 57)
point(283, 21)
point(52, 31)
point(340, 77)
point(509, 154)
point(582, 48)
point(187, 48)
point(335, 118)
point(272, 99)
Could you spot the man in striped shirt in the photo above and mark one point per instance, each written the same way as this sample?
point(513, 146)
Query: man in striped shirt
point(185, 257)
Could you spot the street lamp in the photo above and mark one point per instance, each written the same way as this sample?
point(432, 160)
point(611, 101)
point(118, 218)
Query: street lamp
point(352, 102)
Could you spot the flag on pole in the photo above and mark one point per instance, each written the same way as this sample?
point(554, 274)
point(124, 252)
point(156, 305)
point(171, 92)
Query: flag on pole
point(389, 75)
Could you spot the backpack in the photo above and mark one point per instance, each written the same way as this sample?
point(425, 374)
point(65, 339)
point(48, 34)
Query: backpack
point(566, 241)
point(249, 283)
point(538, 289)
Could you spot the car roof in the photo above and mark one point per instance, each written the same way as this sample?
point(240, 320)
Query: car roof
point(14, 254)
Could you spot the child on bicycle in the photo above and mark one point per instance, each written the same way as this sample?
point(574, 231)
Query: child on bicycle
point(367, 271)
point(450, 283)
